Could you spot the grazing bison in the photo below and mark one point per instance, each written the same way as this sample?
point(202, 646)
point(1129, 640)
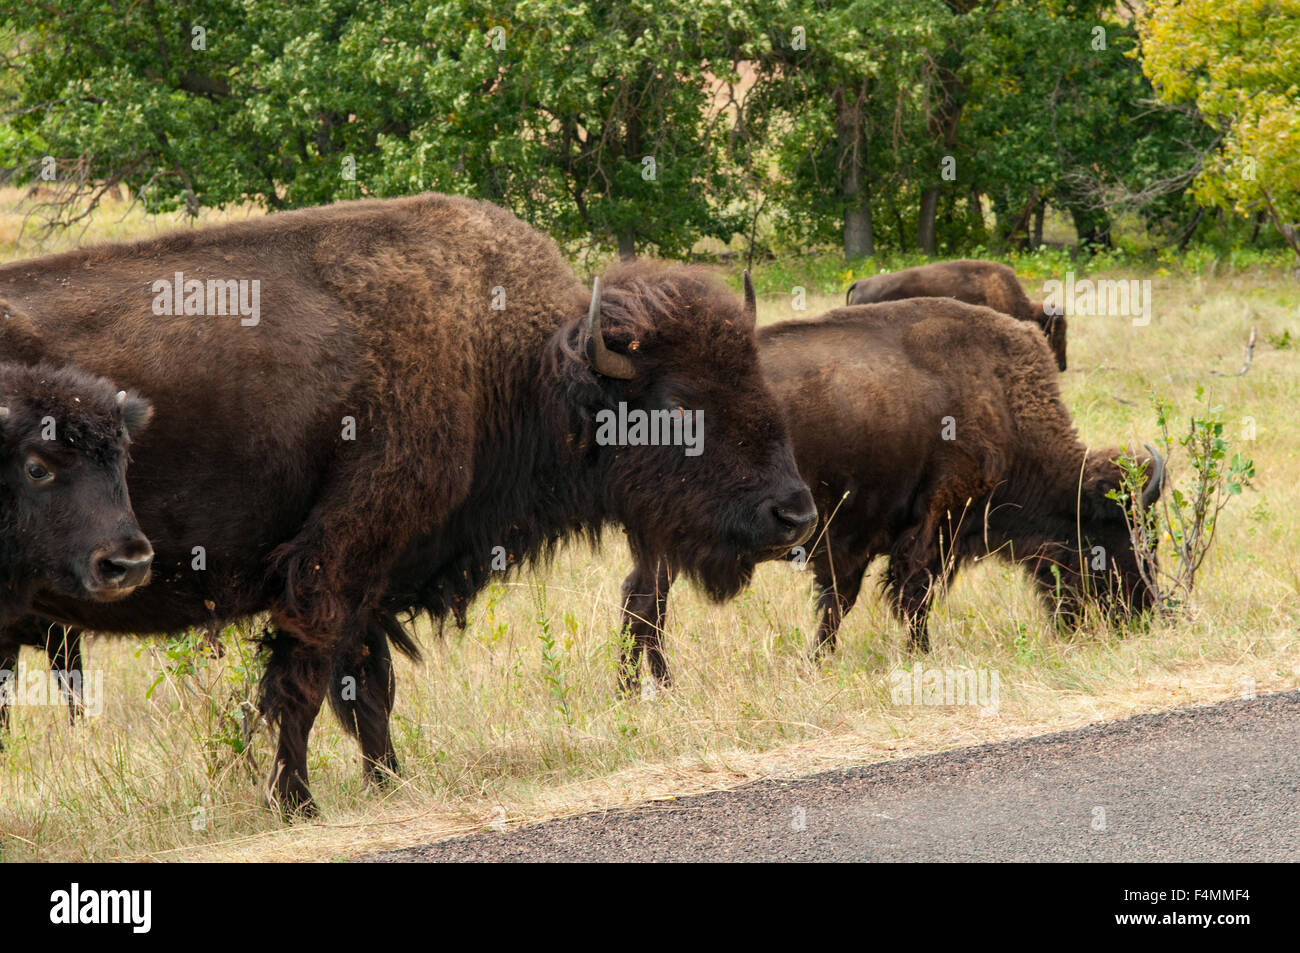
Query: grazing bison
point(986, 283)
point(361, 407)
point(66, 525)
point(931, 432)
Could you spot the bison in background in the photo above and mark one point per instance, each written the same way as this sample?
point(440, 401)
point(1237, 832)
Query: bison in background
point(931, 432)
point(986, 283)
point(410, 389)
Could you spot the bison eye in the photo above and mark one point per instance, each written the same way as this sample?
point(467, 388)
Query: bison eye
point(37, 473)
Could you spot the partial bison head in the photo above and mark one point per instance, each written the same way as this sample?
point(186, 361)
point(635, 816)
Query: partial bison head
point(1054, 327)
point(1097, 562)
point(66, 524)
point(691, 447)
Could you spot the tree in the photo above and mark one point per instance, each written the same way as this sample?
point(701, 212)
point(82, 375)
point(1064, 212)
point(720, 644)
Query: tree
point(592, 119)
point(1238, 63)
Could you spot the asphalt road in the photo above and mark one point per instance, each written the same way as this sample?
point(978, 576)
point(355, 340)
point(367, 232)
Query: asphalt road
point(1218, 783)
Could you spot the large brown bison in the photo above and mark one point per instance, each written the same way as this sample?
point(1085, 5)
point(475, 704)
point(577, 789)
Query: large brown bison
point(66, 525)
point(986, 283)
point(407, 390)
point(931, 432)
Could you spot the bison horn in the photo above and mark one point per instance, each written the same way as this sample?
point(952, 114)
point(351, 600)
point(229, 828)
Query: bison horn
point(121, 398)
point(1157, 481)
point(4, 414)
point(603, 360)
point(750, 312)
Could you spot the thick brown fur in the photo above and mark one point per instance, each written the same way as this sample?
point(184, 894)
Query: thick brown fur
point(987, 283)
point(871, 393)
point(472, 430)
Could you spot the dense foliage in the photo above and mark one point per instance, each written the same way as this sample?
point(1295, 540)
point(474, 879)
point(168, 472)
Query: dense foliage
point(648, 126)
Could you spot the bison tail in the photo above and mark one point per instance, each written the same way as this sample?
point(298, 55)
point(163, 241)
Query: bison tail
point(388, 626)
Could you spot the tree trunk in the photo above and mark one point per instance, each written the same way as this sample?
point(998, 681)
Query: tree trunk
point(627, 244)
point(925, 225)
point(1092, 226)
point(1036, 238)
point(859, 240)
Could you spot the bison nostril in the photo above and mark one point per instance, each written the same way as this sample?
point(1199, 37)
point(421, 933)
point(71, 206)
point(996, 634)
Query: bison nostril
point(123, 571)
point(110, 570)
point(796, 515)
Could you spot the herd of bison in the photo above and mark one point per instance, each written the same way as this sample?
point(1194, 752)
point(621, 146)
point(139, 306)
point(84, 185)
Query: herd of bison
point(419, 396)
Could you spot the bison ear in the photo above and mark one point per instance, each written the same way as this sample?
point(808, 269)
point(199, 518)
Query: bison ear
point(1101, 476)
point(136, 412)
point(1053, 327)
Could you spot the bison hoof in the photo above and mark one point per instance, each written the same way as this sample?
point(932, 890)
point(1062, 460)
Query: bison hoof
point(383, 772)
point(290, 797)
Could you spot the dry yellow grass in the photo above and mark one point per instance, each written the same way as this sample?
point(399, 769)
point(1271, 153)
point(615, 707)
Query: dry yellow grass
point(483, 736)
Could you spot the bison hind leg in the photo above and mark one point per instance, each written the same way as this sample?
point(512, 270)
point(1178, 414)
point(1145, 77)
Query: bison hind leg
point(362, 690)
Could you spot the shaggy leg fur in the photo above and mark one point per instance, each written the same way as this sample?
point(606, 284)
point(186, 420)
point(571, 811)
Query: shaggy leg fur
point(645, 603)
point(361, 692)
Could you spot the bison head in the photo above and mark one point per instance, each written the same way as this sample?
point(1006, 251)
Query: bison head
point(66, 522)
point(690, 445)
point(1095, 559)
point(1054, 327)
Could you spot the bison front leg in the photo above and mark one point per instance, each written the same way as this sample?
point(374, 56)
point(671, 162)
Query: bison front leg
point(645, 604)
point(837, 594)
point(8, 679)
point(63, 646)
point(915, 574)
point(362, 691)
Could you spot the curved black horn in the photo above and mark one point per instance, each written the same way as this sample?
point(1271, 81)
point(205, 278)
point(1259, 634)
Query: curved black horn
point(1156, 482)
point(603, 360)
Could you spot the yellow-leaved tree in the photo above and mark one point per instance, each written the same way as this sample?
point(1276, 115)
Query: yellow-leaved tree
point(1238, 63)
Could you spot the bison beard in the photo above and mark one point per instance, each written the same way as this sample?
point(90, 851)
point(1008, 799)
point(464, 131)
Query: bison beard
point(868, 393)
point(472, 426)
